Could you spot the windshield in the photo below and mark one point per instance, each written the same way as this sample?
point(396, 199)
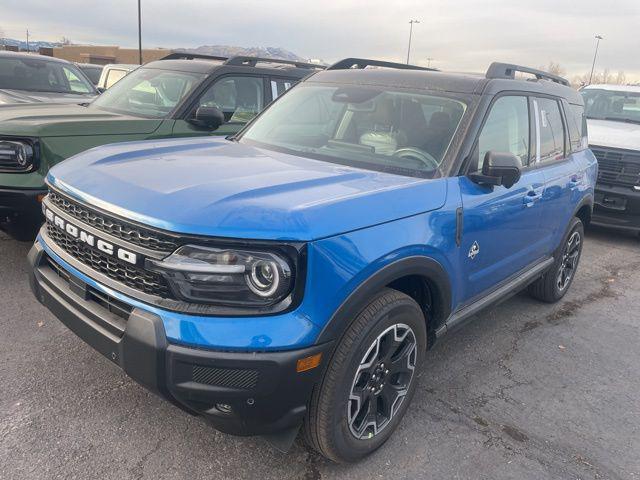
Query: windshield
point(40, 75)
point(401, 132)
point(148, 92)
point(612, 105)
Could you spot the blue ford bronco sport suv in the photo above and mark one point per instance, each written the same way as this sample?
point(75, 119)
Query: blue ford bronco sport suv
point(296, 273)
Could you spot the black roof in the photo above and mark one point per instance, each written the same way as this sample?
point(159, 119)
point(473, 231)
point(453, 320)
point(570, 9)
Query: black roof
point(30, 56)
point(198, 63)
point(499, 78)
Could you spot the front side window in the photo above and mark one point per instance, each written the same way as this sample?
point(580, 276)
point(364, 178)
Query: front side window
point(369, 127)
point(38, 75)
point(620, 106)
point(148, 93)
point(506, 129)
point(238, 98)
point(550, 128)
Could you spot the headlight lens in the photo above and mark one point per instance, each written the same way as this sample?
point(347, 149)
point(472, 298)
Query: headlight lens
point(230, 277)
point(16, 155)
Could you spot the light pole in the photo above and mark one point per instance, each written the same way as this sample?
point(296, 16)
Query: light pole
point(411, 22)
point(598, 38)
point(28, 49)
point(139, 33)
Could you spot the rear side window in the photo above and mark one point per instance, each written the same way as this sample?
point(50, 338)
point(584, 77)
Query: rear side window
point(580, 119)
point(506, 129)
point(113, 76)
point(279, 86)
point(550, 128)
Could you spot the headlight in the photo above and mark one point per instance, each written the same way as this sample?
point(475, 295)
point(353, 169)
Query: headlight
point(17, 155)
point(230, 277)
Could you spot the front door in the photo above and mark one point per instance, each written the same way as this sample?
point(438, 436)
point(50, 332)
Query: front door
point(239, 97)
point(501, 226)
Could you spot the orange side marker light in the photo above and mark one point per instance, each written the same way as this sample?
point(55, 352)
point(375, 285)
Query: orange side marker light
point(308, 363)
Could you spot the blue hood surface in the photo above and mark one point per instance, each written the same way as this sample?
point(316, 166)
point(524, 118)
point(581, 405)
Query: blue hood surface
point(214, 187)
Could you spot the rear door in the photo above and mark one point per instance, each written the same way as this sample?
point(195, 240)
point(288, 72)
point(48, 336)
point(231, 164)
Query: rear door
point(501, 234)
point(562, 174)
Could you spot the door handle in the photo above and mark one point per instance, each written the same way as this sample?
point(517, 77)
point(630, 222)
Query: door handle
point(532, 197)
point(575, 181)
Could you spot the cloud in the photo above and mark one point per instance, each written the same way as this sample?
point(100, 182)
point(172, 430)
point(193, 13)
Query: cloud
point(458, 35)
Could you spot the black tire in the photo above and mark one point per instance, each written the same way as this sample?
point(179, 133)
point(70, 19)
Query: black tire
point(550, 288)
point(391, 315)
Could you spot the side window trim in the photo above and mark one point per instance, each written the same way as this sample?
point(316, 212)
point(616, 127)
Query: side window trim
point(536, 115)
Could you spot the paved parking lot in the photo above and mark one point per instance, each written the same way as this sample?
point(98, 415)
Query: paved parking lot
point(528, 391)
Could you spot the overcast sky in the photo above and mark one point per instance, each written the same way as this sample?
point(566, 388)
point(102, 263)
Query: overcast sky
point(462, 35)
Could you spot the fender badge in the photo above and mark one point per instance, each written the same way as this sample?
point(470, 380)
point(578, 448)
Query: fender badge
point(474, 250)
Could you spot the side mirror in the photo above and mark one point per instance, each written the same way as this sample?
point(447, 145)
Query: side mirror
point(499, 168)
point(101, 89)
point(207, 117)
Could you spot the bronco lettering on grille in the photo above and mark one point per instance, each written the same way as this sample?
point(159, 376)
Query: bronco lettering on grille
point(91, 240)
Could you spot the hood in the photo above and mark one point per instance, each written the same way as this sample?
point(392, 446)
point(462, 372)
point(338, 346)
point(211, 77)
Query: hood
point(22, 96)
point(214, 187)
point(58, 120)
point(609, 133)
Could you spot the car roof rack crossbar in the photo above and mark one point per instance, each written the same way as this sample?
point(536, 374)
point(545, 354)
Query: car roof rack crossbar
point(507, 70)
point(360, 63)
point(191, 56)
point(242, 60)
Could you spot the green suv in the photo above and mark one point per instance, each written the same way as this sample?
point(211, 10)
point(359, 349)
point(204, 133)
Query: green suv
point(181, 95)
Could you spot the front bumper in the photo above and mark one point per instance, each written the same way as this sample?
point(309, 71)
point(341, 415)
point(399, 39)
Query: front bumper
point(617, 207)
point(242, 393)
point(20, 201)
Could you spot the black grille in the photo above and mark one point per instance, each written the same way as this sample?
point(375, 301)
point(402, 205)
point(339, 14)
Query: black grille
point(225, 377)
point(116, 227)
point(110, 303)
point(618, 167)
point(130, 275)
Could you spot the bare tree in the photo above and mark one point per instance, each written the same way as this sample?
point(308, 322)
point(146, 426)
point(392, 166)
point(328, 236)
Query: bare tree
point(621, 78)
point(65, 41)
point(555, 69)
point(604, 77)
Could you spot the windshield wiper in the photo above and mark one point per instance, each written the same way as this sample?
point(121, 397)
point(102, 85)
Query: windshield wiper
point(622, 119)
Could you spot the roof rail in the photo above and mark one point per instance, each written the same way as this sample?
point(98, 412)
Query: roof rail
point(242, 60)
point(507, 70)
point(360, 63)
point(191, 56)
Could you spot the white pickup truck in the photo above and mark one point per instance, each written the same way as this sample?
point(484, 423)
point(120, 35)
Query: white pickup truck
point(613, 116)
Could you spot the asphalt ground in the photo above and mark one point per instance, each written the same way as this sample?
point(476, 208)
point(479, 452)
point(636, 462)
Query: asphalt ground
point(526, 391)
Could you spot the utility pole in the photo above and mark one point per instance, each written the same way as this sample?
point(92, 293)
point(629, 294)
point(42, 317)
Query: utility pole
point(28, 49)
point(593, 66)
point(429, 60)
point(139, 33)
point(411, 22)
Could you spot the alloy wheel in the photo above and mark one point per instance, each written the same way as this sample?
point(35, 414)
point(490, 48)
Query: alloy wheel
point(569, 263)
point(382, 381)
